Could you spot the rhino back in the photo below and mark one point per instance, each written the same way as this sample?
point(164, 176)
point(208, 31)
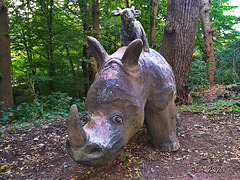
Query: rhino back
point(158, 76)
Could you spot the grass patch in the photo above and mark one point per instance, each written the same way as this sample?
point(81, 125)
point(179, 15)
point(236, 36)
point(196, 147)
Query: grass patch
point(220, 106)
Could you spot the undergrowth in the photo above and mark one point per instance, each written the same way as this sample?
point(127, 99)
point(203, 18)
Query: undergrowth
point(220, 106)
point(55, 105)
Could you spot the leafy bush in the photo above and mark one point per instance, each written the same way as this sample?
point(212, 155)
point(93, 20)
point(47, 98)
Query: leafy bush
point(228, 64)
point(55, 105)
point(198, 74)
point(5, 113)
point(198, 78)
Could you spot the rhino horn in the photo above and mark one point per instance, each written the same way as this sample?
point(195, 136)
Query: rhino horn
point(76, 134)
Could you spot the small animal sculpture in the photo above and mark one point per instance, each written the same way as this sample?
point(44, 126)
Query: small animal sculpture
point(131, 28)
point(131, 86)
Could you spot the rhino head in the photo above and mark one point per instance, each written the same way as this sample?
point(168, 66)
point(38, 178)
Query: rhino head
point(114, 106)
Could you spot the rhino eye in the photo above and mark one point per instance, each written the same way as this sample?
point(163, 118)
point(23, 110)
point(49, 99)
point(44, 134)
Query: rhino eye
point(117, 119)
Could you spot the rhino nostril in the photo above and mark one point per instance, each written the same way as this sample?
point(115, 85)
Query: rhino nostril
point(95, 149)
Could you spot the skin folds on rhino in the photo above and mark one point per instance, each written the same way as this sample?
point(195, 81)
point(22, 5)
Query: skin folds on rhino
point(131, 86)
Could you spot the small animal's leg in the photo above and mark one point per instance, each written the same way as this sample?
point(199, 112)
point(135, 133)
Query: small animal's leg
point(144, 39)
point(122, 40)
point(161, 126)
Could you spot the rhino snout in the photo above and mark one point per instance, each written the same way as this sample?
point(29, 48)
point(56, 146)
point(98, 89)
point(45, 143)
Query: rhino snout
point(94, 144)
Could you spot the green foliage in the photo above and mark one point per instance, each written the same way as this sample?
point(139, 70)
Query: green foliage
point(55, 105)
point(6, 116)
point(125, 158)
point(6, 113)
point(228, 64)
point(224, 32)
point(146, 9)
point(2, 134)
point(228, 106)
point(220, 106)
point(223, 35)
point(198, 75)
point(47, 42)
point(198, 80)
point(48, 37)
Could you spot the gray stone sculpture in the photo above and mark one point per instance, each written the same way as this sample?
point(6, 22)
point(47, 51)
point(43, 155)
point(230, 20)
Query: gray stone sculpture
point(131, 28)
point(131, 86)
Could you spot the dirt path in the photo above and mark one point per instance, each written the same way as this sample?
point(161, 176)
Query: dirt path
point(210, 149)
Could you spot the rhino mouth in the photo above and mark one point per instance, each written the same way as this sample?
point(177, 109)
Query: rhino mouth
point(89, 149)
point(93, 155)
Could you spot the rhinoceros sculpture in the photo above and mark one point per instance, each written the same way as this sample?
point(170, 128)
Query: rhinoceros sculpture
point(131, 87)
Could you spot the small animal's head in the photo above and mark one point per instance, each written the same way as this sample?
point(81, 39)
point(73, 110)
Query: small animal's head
point(127, 14)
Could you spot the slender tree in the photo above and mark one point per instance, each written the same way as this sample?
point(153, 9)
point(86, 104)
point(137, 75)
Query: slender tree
point(95, 12)
point(51, 50)
point(85, 11)
point(179, 39)
point(126, 3)
point(208, 42)
point(6, 94)
point(154, 4)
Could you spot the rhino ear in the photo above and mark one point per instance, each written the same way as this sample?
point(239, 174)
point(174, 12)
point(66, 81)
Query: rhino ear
point(97, 50)
point(132, 53)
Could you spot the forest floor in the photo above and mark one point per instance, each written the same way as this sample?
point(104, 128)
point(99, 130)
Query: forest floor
point(210, 149)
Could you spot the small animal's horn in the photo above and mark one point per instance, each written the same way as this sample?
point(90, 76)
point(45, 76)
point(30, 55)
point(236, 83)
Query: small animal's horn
point(76, 134)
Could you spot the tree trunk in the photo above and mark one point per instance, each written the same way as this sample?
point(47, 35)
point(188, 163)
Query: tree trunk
point(179, 39)
point(126, 3)
point(6, 94)
point(95, 10)
point(70, 62)
point(85, 70)
point(154, 4)
point(86, 16)
point(50, 35)
point(208, 42)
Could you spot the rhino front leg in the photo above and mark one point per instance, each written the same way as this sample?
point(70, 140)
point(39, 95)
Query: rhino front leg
point(161, 126)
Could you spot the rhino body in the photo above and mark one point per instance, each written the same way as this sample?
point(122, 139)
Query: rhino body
point(131, 86)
